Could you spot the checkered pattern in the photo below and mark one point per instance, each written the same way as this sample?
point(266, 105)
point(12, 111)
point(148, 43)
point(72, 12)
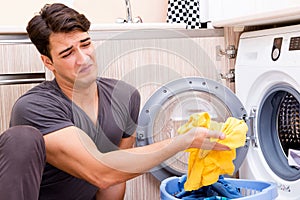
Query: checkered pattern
point(184, 11)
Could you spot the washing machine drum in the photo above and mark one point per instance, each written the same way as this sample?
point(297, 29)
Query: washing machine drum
point(278, 128)
point(170, 107)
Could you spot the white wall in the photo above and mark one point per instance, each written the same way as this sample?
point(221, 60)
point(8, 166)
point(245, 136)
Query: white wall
point(107, 11)
point(19, 12)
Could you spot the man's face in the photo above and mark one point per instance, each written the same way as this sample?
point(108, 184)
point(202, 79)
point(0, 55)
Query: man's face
point(73, 60)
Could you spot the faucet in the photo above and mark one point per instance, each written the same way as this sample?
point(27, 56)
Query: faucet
point(129, 18)
point(128, 11)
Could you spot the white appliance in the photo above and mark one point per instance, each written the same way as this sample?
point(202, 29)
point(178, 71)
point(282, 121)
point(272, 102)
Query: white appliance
point(268, 85)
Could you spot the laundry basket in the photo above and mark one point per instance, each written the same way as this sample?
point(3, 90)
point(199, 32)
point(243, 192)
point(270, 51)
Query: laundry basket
point(249, 189)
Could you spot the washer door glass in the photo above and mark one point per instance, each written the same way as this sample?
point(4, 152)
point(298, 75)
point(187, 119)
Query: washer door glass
point(171, 106)
point(176, 111)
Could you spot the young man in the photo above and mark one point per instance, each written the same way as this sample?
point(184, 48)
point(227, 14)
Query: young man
point(88, 123)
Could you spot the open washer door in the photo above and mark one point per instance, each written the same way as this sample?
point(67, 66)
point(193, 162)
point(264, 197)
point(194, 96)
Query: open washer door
point(170, 107)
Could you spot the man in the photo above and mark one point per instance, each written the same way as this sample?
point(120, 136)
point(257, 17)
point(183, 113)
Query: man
point(85, 121)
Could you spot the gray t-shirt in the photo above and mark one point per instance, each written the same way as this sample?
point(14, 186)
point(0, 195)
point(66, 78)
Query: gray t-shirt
point(48, 109)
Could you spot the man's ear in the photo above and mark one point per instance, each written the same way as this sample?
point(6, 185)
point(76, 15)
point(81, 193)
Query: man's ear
point(47, 62)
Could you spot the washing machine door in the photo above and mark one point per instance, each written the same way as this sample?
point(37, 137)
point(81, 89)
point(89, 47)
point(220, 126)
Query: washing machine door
point(170, 107)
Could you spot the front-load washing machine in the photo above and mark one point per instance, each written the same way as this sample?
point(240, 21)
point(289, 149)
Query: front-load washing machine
point(268, 85)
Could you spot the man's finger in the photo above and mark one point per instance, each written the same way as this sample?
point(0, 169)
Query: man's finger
point(216, 134)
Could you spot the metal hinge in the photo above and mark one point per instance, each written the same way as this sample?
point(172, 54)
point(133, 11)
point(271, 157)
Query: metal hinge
point(252, 117)
point(229, 52)
point(230, 76)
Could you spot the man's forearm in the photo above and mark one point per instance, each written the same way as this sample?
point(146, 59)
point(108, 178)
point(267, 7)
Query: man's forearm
point(137, 160)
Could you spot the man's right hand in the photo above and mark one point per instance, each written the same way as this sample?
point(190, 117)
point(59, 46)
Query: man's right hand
point(204, 138)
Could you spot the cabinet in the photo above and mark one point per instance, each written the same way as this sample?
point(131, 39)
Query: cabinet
point(224, 13)
point(20, 69)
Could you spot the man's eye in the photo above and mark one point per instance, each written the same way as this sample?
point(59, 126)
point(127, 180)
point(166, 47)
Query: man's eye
point(86, 44)
point(66, 55)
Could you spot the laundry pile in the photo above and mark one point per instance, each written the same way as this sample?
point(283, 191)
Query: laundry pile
point(221, 190)
point(205, 166)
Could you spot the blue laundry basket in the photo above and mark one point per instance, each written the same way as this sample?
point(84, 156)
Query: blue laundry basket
point(249, 189)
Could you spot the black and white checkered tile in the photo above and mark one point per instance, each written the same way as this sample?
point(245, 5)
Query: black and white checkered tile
point(185, 11)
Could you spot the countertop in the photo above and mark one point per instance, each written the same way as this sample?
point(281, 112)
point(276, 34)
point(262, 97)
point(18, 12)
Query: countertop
point(17, 34)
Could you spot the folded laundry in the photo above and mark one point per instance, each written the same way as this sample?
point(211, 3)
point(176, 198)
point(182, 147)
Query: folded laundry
point(221, 190)
point(205, 166)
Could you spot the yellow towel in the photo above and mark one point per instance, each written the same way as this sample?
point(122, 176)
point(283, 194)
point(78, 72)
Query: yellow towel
point(205, 166)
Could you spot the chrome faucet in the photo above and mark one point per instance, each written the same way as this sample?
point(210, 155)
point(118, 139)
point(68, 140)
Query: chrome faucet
point(129, 18)
point(128, 11)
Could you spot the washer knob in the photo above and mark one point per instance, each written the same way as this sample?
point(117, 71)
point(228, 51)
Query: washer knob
point(277, 42)
point(275, 54)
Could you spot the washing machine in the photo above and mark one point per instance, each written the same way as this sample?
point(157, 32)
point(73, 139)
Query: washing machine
point(268, 85)
point(267, 98)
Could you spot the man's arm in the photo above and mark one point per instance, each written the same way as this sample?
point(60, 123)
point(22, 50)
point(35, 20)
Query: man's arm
point(117, 192)
point(72, 151)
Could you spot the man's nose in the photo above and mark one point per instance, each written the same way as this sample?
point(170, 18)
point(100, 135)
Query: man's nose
point(81, 57)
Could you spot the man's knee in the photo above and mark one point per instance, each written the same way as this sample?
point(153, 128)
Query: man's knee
point(22, 142)
point(22, 160)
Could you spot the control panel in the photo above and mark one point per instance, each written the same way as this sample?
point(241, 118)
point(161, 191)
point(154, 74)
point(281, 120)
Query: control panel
point(294, 43)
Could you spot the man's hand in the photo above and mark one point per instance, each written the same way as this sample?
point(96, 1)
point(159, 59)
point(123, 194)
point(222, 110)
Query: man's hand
point(204, 138)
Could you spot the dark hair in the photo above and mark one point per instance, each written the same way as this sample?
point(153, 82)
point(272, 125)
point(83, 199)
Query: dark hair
point(54, 18)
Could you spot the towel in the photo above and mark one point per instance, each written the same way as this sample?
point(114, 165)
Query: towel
point(185, 11)
point(205, 166)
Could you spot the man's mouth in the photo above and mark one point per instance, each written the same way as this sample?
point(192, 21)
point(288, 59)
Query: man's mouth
point(85, 68)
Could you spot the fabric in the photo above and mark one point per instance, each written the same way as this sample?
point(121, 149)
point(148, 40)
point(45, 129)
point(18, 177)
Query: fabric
point(48, 109)
point(294, 158)
point(221, 190)
point(205, 166)
point(185, 11)
point(20, 174)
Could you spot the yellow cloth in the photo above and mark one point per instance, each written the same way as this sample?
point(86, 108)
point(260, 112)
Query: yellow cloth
point(205, 166)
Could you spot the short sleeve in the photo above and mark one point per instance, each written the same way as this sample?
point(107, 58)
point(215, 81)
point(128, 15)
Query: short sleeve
point(43, 111)
point(134, 108)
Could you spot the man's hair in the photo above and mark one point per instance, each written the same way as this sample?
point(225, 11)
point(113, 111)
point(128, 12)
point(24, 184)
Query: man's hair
point(54, 18)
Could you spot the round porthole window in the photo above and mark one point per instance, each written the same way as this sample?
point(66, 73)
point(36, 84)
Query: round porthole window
point(170, 107)
point(279, 129)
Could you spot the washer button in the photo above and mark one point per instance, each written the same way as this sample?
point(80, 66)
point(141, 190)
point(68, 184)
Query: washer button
point(275, 54)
